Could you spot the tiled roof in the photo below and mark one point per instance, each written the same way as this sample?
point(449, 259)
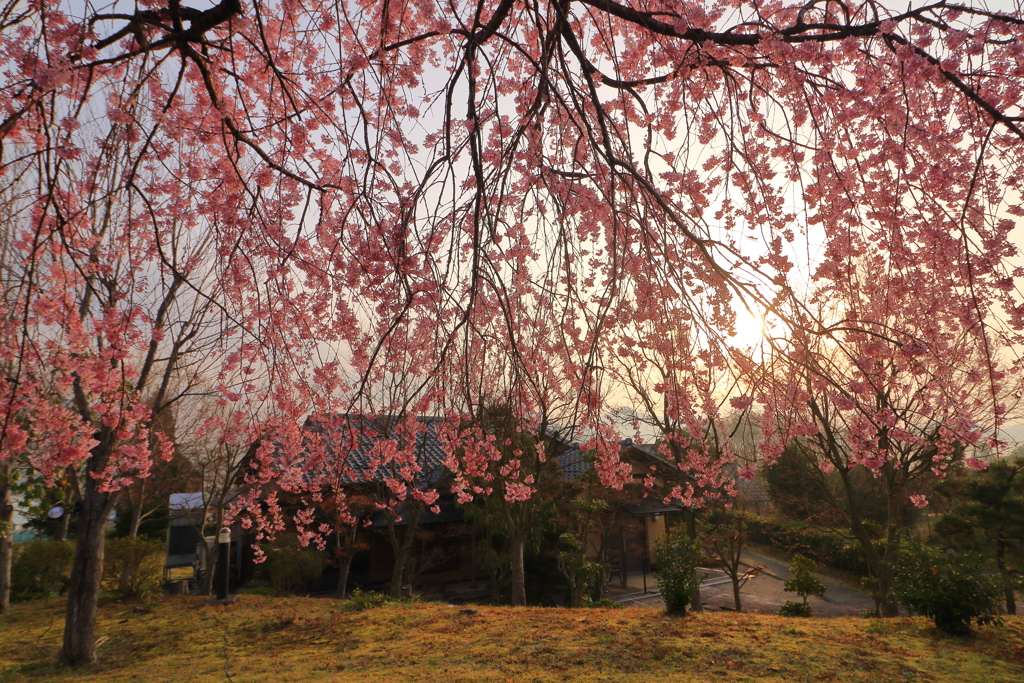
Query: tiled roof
point(640, 510)
point(750, 490)
point(430, 455)
point(573, 463)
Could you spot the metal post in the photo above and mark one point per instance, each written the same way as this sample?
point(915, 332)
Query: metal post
point(223, 560)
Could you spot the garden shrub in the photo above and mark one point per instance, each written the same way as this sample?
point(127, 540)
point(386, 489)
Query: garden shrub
point(803, 583)
point(678, 557)
point(40, 569)
point(606, 603)
point(360, 601)
point(290, 567)
point(133, 567)
point(796, 609)
point(951, 590)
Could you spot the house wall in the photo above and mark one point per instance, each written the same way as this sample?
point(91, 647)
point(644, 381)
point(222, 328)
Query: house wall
point(655, 530)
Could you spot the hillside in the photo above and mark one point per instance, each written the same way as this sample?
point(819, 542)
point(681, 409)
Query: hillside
point(301, 639)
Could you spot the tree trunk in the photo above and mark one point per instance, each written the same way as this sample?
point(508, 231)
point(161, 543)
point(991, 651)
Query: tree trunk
point(598, 587)
point(214, 569)
point(576, 593)
point(86, 574)
point(895, 517)
point(518, 548)
point(343, 578)
point(212, 552)
point(6, 536)
point(65, 522)
point(880, 566)
point(696, 603)
point(346, 564)
point(888, 607)
point(1011, 600)
point(133, 529)
point(403, 551)
point(736, 547)
point(496, 581)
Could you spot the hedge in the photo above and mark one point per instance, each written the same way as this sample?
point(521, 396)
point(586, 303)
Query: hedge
point(40, 569)
point(133, 567)
point(821, 545)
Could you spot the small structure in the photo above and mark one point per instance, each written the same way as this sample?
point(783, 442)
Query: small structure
point(184, 537)
point(447, 545)
point(752, 496)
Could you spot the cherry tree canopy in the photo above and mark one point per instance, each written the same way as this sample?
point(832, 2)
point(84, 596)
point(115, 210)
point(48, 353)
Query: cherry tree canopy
point(489, 199)
point(407, 206)
point(484, 200)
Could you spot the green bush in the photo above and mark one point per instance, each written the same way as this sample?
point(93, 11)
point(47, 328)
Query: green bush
point(289, 567)
point(825, 546)
point(801, 580)
point(40, 569)
point(796, 609)
point(359, 601)
point(606, 603)
point(678, 557)
point(949, 589)
point(133, 567)
point(803, 583)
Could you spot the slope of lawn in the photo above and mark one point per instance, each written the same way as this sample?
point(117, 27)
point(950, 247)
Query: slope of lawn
point(300, 639)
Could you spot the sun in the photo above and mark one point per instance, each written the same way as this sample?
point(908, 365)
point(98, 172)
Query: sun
point(749, 329)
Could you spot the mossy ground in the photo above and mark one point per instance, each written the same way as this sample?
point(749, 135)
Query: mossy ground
point(300, 639)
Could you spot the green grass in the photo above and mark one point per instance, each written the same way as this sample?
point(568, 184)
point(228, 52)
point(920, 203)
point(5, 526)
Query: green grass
point(299, 639)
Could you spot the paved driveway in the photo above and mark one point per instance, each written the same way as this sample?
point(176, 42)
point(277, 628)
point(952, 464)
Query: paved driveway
point(764, 593)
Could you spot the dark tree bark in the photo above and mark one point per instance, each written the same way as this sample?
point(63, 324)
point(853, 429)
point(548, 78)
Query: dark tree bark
point(6, 535)
point(518, 520)
point(404, 549)
point(725, 544)
point(518, 551)
point(1011, 600)
point(87, 569)
point(65, 523)
point(597, 592)
point(881, 566)
point(346, 564)
point(696, 602)
point(212, 549)
point(133, 529)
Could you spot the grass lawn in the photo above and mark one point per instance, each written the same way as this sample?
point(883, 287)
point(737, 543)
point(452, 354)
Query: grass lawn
point(301, 639)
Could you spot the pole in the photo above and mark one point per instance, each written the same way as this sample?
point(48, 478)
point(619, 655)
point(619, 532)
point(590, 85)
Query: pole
point(223, 560)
